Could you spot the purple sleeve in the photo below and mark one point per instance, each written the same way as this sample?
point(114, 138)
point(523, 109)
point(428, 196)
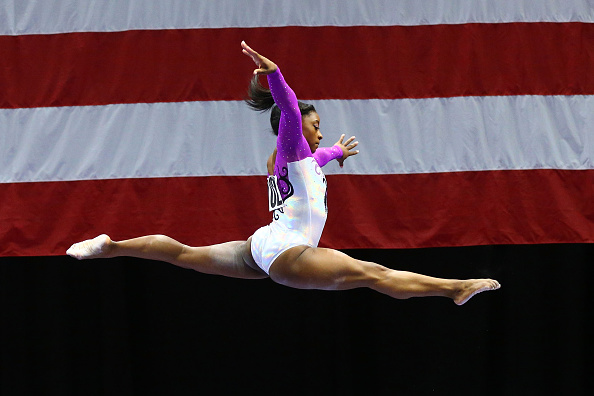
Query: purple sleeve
point(291, 145)
point(323, 155)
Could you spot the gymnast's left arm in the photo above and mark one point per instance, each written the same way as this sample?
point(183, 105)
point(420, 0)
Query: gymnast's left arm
point(340, 151)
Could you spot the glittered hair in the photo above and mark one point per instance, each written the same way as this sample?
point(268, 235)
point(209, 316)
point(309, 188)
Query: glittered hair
point(260, 99)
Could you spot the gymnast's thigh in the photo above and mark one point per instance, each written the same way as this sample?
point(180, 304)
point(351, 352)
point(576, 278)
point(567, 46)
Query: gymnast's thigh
point(305, 267)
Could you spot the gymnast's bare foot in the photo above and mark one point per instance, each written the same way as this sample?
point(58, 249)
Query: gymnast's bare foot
point(471, 287)
point(97, 247)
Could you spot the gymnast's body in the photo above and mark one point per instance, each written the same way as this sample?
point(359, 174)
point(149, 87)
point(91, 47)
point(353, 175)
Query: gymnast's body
point(286, 249)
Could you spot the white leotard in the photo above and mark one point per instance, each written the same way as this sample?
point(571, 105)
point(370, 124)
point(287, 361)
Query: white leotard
point(298, 187)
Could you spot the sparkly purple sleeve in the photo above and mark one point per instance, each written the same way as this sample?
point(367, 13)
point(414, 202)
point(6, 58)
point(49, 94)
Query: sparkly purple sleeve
point(291, 145)
point(323, 155)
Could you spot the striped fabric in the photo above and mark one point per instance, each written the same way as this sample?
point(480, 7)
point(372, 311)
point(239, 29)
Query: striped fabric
point(475, 119)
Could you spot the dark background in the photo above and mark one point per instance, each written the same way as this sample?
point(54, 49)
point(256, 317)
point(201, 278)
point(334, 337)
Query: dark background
point(132, 327)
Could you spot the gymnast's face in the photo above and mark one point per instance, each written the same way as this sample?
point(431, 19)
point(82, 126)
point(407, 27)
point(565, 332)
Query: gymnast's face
point(311, 130)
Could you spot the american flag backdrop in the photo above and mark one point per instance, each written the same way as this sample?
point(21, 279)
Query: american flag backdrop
point(475, 119)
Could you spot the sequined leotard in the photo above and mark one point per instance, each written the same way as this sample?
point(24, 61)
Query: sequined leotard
point(299, 214)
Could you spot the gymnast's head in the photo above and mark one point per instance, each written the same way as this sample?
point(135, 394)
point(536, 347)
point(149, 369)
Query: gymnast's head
point(260, 99)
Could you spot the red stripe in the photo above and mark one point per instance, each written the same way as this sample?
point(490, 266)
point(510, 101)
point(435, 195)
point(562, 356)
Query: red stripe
point(461, 209)
point(320, 63)
point(381, 211)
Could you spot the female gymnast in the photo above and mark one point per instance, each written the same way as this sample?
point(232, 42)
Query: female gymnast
point(286, 249)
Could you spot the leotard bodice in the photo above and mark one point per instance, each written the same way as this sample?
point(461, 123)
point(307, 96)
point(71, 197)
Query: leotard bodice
point(302, 205)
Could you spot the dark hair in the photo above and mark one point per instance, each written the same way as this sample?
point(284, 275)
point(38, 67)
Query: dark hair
point(260, 99)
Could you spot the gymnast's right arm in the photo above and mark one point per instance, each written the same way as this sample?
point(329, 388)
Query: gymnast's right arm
point(291, 144)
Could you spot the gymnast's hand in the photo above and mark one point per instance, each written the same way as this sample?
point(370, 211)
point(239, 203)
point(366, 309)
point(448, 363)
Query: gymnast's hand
point(347, 148)
point(265, 65)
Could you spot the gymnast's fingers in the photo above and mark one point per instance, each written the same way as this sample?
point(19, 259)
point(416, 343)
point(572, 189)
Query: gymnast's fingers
point(349, 140)
point(249, 51)
point(352, 146)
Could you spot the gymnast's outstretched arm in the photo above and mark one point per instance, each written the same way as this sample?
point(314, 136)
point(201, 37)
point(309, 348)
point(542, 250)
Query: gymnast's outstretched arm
point(340, 151)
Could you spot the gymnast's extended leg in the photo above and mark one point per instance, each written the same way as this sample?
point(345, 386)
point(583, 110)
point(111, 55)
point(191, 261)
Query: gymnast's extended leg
point(232, 259)
point(327, 269)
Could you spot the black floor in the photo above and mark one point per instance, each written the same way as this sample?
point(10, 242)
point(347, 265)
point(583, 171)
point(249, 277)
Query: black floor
point(133, 327)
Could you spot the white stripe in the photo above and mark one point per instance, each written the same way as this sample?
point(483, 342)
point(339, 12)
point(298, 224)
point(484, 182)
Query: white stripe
point(466, 133)
point(45, 17)
point(132, 140)
point(226, 138)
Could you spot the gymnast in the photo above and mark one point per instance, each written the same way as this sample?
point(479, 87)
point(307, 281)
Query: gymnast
point(286, 249)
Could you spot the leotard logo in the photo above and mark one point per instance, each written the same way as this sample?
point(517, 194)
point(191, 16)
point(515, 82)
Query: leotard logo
point(283, 175)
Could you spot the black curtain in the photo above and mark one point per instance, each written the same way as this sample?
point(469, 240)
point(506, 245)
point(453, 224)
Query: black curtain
point(135, 327)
